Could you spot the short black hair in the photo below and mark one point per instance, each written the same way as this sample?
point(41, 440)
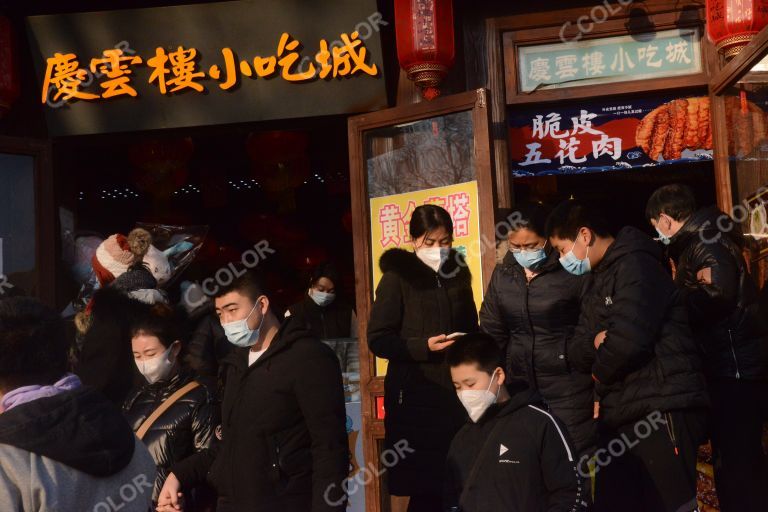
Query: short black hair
point(570, 216)
point(479, 348)
point(676, 200)
point(158, 320)
point(531, 216)
point(427, 218)
point(248, 282)
point(33, 345)
point(327, 270)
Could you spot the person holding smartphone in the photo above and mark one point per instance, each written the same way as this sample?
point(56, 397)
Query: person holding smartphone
point(423, 297)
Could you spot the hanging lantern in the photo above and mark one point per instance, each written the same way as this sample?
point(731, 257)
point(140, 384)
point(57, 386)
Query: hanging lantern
point(10, 85)
point(425, 46)
point(731, 24)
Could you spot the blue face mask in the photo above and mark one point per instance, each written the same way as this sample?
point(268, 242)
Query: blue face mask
point(663, 238)
point(239, 334)
point(530, 259)
point(574, 265)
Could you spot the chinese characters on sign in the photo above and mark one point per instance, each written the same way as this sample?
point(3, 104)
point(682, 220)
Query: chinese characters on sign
point(569, 141)
point(596, 137)
point(395, 223)
point(179, 70)
point(612, 59)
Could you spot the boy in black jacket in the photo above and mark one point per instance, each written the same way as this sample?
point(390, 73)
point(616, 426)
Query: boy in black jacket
point(513, 454)
point(633, 336)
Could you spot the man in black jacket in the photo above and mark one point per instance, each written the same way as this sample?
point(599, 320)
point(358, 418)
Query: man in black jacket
point(283, 438)
point(633, 336)
point(512, 454)
point(723, 304)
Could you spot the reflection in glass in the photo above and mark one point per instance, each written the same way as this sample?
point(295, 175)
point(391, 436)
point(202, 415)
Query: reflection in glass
point(420, 155)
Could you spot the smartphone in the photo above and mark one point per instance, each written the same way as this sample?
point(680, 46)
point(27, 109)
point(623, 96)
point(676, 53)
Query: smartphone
point(455, 335)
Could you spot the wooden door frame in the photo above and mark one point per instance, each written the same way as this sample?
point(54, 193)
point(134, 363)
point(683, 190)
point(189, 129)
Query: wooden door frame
point(45, 214)
point(372, 386)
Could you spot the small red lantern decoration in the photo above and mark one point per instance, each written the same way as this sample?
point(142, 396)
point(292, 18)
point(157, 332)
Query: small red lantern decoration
point(731, 24)
point(425, 45)
point(10, 84)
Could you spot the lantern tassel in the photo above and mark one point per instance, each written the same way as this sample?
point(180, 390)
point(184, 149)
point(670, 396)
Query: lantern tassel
point(430, 93)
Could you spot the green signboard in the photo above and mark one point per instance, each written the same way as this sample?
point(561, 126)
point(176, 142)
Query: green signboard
point(609, 60)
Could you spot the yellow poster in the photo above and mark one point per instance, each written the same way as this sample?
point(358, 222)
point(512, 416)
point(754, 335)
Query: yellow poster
point(391, 217)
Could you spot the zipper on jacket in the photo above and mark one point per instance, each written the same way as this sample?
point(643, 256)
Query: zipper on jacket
point(671, 432)
point(400, 398)
point(733, 353)
point(322, 321)
point(439, 284)
point(530, 326)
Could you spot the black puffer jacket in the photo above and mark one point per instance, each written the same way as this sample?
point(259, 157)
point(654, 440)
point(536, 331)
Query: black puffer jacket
point(328, 322)
point(414, 303)
point(725, 315)
point(649, 360)
point(534, 323)
point(284, 444)
point(184, 429)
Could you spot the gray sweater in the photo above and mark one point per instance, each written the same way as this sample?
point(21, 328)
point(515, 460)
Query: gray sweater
point(73, 452)
point(35, 483)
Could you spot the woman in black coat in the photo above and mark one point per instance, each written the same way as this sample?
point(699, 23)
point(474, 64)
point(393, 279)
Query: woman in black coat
point(324, 313)
point(422, 297)
point(188, 426)
point(531, 309)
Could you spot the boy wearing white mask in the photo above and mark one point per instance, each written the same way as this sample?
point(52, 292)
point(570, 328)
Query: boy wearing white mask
point(283, 442)
point(512, 454)
point(186, 423)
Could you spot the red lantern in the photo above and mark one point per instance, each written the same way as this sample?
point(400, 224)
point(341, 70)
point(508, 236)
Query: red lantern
point(10, 85)
point(425, 46)
point(731, 24)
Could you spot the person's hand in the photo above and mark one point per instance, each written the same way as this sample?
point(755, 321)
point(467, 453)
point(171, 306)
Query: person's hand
point(596, 410)
point(600, 338)
point(171, 499)
point(438, 343)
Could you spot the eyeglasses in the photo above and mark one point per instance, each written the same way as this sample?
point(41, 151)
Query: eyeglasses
point(527, 248)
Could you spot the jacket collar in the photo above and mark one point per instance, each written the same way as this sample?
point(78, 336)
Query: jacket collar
point(410, 268)
point(706, 225)
point(289, 332)
point(511, 266)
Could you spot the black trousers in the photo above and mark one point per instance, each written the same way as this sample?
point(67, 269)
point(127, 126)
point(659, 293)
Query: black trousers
point(739, 409)
point(426, 503)
point(650, 465)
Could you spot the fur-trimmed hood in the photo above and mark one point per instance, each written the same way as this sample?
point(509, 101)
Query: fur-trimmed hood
point(410, 268)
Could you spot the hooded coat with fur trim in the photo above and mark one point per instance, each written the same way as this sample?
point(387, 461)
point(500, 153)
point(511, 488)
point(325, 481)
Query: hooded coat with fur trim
point(414, 303)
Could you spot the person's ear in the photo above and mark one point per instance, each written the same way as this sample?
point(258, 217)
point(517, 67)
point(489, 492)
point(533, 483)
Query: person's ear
point(502, 378)
point(176, 348)
point(264, 307)
point(587, 236)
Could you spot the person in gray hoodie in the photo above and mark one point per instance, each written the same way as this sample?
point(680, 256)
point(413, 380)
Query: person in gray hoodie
point(63, 447)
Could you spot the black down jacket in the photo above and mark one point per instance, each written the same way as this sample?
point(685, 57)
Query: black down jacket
point(327, 322)
point(534, 323)
point(186, 428)
point(725, 314)
point(649, 360)
point(414, 303)
point(284, 444)
point(524, 460)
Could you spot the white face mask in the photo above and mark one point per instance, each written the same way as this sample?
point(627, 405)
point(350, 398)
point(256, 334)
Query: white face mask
point(158, 368)
point(433, 257)
point(322, 299)
point(476, 402)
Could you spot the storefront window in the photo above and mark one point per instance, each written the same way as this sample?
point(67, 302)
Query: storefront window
point(425, 154)
point(17, 221)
